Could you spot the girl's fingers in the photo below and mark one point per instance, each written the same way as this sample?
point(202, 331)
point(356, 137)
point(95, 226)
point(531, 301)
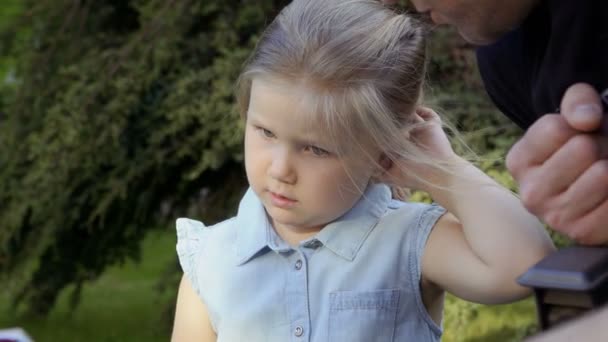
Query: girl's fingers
point(427, 114)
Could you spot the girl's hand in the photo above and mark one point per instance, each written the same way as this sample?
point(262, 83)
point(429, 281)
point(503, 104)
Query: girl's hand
point(426, 131)
point(428, 134)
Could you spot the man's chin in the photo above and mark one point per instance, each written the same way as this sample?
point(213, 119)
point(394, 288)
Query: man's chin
point(480, 40)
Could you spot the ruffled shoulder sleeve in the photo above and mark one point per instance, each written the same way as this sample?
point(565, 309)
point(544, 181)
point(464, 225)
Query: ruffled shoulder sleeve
point(190, 239)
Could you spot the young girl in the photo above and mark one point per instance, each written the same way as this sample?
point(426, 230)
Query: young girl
point(319, 250)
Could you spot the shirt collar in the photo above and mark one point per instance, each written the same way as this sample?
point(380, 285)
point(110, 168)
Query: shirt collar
point(344, 236)
point(252, 227)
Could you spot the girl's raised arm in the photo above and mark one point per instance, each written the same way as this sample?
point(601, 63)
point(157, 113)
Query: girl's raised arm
point(485, 242)
point(191, 318)
point(487, 239)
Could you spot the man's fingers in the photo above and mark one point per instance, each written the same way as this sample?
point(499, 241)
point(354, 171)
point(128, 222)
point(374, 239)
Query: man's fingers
point(541, 140)
point(570, 161)
point(581, 106)
point(583, 196)
point(591, 228)
point(562, 168)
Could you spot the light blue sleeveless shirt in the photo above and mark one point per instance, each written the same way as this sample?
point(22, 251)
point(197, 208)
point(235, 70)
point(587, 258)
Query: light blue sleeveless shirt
point(358, 279)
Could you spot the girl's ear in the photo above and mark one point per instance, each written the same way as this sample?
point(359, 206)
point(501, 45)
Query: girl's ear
point(382, 174)
point(385, 162)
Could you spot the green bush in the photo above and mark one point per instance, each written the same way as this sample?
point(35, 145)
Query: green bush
point(122, 120)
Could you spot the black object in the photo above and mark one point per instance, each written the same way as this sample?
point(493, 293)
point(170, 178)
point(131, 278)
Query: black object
point(568, 283)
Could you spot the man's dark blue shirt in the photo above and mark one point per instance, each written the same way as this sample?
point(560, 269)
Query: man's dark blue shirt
point(562, 42)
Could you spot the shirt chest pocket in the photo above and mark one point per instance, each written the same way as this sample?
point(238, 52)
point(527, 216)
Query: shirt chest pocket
point(363, 316)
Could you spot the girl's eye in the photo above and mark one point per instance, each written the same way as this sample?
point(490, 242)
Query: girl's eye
point(265, 132)
point(317, 151)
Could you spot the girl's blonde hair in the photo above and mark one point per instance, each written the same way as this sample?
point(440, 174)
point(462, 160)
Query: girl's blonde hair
point(362, 64)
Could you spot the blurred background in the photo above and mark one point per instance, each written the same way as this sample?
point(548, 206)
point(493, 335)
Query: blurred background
point(117, 117)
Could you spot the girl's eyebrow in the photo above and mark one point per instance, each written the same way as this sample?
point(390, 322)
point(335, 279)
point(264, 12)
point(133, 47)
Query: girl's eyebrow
point(251, 115)
point(257, 120)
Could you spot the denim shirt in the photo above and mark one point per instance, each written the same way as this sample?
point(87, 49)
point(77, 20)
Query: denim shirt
point(358, 279)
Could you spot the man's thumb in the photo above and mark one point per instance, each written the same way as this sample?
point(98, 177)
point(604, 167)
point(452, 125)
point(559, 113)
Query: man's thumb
point(582, 107)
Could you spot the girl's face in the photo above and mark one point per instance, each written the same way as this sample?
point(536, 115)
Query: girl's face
point(294, 170)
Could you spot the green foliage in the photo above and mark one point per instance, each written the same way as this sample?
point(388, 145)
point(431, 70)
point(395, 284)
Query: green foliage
point(9, 12)
point(466, 321)
point(123, 119)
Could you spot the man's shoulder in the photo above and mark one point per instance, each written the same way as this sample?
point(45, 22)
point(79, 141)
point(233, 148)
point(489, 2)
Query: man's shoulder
point(562, 42)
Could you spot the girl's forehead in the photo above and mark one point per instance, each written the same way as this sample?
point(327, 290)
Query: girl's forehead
point(297, 111)
point(280, 103)
point(275, 92)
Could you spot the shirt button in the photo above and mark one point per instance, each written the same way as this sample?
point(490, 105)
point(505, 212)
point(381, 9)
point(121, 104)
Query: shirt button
point(298, 264)
point(298, 331)
point(314, 244)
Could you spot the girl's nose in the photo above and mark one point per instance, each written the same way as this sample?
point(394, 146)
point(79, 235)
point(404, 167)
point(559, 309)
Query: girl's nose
point(281, 167)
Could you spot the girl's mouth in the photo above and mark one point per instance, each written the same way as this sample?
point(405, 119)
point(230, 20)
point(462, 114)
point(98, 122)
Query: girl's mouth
point(281, 201)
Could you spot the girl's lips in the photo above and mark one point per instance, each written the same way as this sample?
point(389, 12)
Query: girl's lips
point(281, 201)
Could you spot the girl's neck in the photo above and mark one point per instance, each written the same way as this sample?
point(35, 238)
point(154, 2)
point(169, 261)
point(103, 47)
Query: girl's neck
point(292, 235)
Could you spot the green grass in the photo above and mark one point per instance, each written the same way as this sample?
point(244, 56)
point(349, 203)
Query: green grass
point(124, 305)
point(469, 322)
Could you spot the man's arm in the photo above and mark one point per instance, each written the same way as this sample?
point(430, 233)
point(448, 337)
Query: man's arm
point(589, 328)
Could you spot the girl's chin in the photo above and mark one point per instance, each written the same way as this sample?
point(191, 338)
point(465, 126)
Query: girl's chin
point(283, 220)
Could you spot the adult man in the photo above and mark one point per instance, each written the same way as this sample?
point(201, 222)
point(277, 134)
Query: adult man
point(540, 57)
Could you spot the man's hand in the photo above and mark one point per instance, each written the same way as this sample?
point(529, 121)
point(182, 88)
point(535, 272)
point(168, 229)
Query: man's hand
point(562, 170)
point(589, 328)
